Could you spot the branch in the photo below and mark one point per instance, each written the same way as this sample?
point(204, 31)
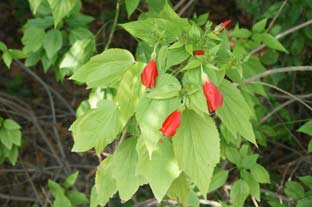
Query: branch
point(114, 25)
point(30, 115)
point(186, 7)
point(180, 3)
point(17, 198)
point(275, 195)
point(59, 96)
point(283, 91)
point(52, 106)
point(283, 105)
point(283, 34)
point(276, 15)
point(278, 70)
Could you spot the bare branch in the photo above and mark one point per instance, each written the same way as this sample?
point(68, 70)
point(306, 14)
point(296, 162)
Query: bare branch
point(114, 25)
point(17, 198)
point(285, 92)
point(276, 15)
point(279, 70)
point(186, 7)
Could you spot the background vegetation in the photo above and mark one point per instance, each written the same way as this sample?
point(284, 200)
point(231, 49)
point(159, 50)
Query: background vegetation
point(43, 44)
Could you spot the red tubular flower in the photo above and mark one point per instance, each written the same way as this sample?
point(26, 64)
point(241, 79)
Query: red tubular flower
point(198, 52)
point(149, 74)
point(226, 23)
point(213, 96)
point(171, 124)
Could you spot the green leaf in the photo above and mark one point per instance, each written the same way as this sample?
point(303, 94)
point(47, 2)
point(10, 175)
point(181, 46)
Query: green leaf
point(235, 112)
point(33, 58)
point(310, 146)
point(197, 141)
point(202, 19)
point(3, 47)
point(151, 30)
point(307, 180)
point(61, 9)
point(17, 54)
point(7, 58)
point(232, 154)
point(129, 92)
point(105, 184)
point(254, 186)
point(218, 180)
point(249, 161)
point(260, 174)
point(79, 33)
point(180, 190)
point(124, 167)
point(5, 139)
point(306, 128)
point(95, 198)
point(273, 43)
point(162, 159)
point(13, 155)
point(33, 39)
point(97, 128)
point(131, 6)
point(70, 180)
point(156, 5)
point(39, 22)
point(105, 69)
point(77, 20)
point(53, 42)
point(294, 190)
point(259, 26)
point(55, 189)
point(239, 193)
point(305, 202)
point(197, 102)
point(34, 5)
point(77, 198)
point(241, 33)
point(62, 201)
point(150, 115)
point(15, 136)
point(176, 56)
point(78, 54)
point(167, 86)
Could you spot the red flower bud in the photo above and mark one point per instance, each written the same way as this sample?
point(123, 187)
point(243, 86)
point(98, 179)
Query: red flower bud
point(198, 52)
point(171, 124)
point(213, 96)
point(226, 23)
point(149, 74)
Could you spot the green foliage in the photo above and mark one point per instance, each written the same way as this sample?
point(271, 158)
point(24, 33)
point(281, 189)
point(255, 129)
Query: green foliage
point(120, 107)
point(97, 128)
point(131, 5)
point(239, 193)
point(296, 191)
point(193, 141)
point(10, 140)
point(306, 128)
point(97, 72)
point(57, 36)
point(64, 195)
point(9, 54)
